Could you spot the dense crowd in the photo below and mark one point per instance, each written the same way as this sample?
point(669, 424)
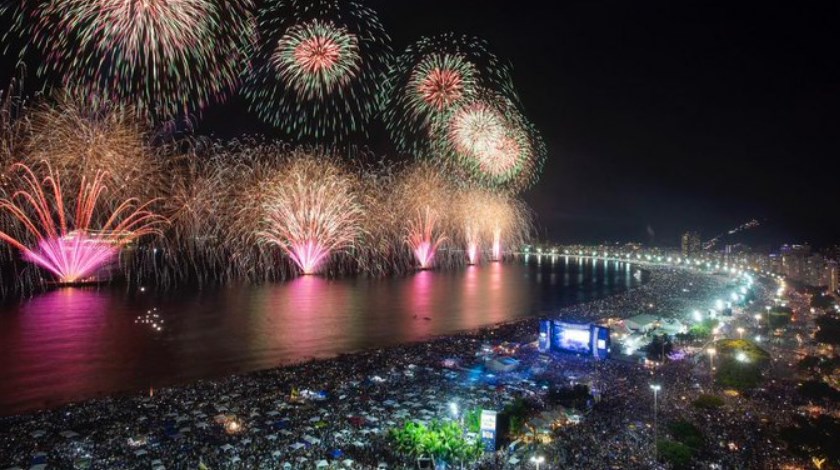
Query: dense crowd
point(336, 413)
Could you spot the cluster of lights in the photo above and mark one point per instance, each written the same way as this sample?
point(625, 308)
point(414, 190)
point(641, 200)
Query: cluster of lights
point(151, 318)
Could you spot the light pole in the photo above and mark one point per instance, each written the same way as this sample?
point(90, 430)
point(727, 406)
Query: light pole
point(537, 460)
point(740, 333)
point(712, 352)
point(656, 388)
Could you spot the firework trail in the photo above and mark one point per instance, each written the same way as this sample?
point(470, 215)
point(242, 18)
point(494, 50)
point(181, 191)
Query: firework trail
point(424, 237)
point(424, 196)
point(317, 67)
point(488, 220)
point(431, 77)
point(66, 243)
point(474, 212)
point(78, 139)
point(312, 211)
point(165, 58)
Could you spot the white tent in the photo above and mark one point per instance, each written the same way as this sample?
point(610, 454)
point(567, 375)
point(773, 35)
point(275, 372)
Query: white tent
point(322, 464)
point(227, 447)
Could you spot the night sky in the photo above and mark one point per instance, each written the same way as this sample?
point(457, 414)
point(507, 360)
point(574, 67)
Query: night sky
point(669, 114)
point(659, 116)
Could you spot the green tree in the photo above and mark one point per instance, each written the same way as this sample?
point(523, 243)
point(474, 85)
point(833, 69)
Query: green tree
point(659, 347)
point(708, 402)
point(472, 420)
point(687, 433)
point(822, 301)
point(779, 317)
point(677, 454)
point(828, 331)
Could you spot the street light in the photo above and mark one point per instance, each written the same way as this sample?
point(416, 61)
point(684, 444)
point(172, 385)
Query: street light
point(453, 408)
point(712, 352)
point(740, 332)
point(537, 460)
point(656, 388)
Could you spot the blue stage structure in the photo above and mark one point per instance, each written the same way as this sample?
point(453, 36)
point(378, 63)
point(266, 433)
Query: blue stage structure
point(588, 339)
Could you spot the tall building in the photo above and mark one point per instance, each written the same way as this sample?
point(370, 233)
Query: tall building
point(832, 274)
point(691, 243)
point(794, 261)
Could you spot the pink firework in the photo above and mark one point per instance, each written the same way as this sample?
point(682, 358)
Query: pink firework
point(312, 211)
point(472, 245)
point(497, 244)
point(441, 88)
point(74, 258)
point(317, 59)
point(64, 243)
point(317, 54)
point(423, 237)
point(308, 255)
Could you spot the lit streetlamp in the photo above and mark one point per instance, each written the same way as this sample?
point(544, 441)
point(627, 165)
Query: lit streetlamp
point(537, 460)
point(740, 332)
point(712, 352)
point(453, 408)
point(656, 388)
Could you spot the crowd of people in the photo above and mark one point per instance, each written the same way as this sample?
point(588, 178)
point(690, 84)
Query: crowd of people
point(336, 413)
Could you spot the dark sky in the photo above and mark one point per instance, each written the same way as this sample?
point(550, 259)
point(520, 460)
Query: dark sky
point(659, 116)
point(672, 114)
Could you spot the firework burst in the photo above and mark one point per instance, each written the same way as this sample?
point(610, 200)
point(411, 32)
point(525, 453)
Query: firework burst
point(431, 77)
point(491, 141)
point(78, 139)
point(425, 197)
point(165, 58)
point(72, 245)
point(312, 211)
point(317, 66)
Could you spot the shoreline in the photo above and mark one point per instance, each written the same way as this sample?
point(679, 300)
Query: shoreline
point(351, 400)
point(507, 327)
